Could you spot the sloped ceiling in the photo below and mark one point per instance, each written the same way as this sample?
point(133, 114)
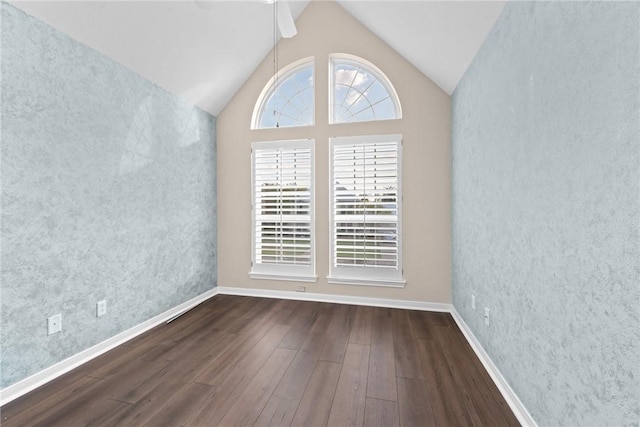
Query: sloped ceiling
point(440, 38)
point(204, 52)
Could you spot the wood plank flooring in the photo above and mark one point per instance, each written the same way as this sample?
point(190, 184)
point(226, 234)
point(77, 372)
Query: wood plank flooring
point(243, 361)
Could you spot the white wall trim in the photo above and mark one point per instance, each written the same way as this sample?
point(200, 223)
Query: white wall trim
point(339, 299)
point(509, 395)
point(366, 282)
point(519, 410)
point(287, 278)
point(28, 384)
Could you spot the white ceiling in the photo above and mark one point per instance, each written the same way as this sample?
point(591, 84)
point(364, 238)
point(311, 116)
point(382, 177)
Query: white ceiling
point(205, 54)
point(440, 38)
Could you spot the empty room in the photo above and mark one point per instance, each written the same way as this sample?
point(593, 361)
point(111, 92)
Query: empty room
point(320, 213)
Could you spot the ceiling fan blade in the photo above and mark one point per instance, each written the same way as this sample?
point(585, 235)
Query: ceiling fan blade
point(286, 23)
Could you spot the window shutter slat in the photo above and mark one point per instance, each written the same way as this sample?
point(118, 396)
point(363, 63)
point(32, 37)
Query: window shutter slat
point(282, 205)
point(365, 195)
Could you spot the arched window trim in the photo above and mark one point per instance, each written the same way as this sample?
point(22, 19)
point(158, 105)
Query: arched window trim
point(270, 88)
point(363, 63)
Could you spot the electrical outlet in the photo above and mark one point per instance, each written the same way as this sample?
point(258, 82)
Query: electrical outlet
point(486, 315)
point(101, 308)
point(54, 324)
point(300, 288)
point(473, 302)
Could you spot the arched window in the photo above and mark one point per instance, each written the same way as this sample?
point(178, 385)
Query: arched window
point(360, 92)
point(288, 100)
point(364, 172)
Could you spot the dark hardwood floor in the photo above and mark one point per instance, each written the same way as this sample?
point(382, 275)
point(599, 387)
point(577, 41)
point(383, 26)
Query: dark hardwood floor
point(242, 361)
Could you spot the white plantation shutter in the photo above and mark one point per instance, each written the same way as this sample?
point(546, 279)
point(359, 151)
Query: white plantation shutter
point(283, 208)
point(365, 193)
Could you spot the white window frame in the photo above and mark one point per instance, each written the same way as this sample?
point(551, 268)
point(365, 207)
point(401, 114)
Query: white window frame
point(282, 75)
point(283, 271)
point(364, 275)
point(345, 58)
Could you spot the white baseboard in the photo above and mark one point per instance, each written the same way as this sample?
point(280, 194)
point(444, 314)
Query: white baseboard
point(510, 397)
point(519, 410)
point(36, 380)
point(28, 384)
point(338, 299)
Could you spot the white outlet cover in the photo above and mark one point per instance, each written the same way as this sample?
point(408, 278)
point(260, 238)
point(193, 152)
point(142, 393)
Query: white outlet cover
point(473, 302)
point(101, 308)
point(54, 324)
point(486, 315)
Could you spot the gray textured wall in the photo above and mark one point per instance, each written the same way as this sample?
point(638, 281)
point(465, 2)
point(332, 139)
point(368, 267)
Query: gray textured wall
point(108, 192)
point(546, 210)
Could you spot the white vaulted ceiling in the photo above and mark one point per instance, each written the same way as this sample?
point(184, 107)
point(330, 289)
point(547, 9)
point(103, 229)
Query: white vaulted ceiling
point(440, 38)
point(205, 54)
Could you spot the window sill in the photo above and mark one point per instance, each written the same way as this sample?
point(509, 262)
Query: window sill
point(290, 278)
point(366, 282)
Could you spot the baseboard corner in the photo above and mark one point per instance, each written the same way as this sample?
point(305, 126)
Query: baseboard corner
point(514, 402)
point(24, 386)
point(338, 299)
